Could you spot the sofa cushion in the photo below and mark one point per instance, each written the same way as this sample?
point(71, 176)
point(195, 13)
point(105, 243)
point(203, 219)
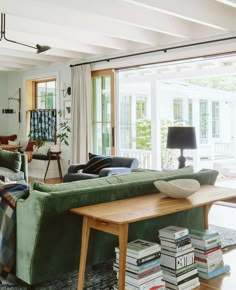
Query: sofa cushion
point(5, 139)
point(96, 163)
point(203, 176)
point(10, 160)
point(11, 175)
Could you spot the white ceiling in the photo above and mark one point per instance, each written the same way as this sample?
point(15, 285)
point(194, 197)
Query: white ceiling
point(80, 30)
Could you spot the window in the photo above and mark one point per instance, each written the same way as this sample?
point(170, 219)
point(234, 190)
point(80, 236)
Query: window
point(41, 105)
point(178, 110)
point(203, 121)
point(190, 112)
point(45, 94)
point(103, 112)
point(215, 120)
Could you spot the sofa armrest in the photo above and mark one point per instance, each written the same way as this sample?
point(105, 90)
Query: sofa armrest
point(74, 168)
point(114, 170)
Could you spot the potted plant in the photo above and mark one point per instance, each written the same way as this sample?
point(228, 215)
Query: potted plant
point(62, 134)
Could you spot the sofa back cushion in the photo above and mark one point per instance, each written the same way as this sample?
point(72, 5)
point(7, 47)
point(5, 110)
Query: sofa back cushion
point(96, 163)
point(10, 160)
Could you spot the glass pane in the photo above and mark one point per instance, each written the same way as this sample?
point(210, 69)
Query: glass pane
point(97, 138)
point(106, 139)
point(106, 99)
point(97, 99)
point(46, 95)
point(102, 115)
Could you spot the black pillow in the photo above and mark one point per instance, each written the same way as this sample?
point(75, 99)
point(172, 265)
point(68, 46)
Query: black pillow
point(96, 163)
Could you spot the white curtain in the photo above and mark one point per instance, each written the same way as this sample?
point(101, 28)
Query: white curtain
point(81, 113)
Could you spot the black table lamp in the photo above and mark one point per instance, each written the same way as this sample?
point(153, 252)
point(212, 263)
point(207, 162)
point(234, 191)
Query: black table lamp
point(181, 138)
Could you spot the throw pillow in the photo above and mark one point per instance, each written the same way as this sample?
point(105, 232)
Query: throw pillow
point(96, 163)
point(10, 160)
point(15, 143)
point(5, 139)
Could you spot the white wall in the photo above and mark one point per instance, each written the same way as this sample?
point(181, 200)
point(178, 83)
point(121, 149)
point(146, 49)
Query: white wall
point(10, 82)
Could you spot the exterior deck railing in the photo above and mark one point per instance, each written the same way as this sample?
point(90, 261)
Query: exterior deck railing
point(212, 152)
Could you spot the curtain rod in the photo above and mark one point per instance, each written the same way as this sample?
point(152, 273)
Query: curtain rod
point(157, 50)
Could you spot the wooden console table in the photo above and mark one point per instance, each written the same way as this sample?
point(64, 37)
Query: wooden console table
point(114, 218)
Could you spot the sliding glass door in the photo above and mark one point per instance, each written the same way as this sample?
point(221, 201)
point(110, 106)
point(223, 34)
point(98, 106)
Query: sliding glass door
point(103, 112)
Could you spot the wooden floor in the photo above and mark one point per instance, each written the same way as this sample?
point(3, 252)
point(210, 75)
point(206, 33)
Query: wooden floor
point(223, 282)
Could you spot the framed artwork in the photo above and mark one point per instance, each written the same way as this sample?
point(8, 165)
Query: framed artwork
point(67, 109)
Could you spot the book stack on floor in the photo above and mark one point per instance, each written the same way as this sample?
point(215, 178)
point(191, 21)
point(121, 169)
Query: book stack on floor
point(177, 259)
point(208, 253)
point(142, 266)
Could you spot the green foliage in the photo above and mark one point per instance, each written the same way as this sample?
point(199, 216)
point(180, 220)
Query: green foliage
point(143, 134)
point(226, 83)
point(63, 131)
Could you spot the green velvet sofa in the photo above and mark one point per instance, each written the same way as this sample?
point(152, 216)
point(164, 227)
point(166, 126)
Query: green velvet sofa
point(49, 235)
point(13, 165)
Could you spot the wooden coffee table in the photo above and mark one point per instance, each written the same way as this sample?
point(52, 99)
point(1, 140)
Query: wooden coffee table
point(114, 218)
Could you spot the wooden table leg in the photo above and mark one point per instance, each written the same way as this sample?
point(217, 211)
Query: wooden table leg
point(83, 252)
point(59, 165)
point(207, 208)
point(123, 240)
point(49, 159)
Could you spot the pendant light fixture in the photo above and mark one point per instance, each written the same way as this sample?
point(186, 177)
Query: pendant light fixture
point(40, 48)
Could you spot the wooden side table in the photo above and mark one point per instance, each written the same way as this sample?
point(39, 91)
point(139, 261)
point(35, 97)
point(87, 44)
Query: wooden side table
point(57, 154)
point(114, 217)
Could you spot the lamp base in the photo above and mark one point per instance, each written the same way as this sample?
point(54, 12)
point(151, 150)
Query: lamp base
point(181, 160)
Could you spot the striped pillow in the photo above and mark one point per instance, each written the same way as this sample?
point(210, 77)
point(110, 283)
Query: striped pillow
point(96, 163)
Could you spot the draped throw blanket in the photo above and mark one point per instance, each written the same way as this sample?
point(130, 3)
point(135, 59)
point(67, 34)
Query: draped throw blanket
point(9, 194)
point(43, 124)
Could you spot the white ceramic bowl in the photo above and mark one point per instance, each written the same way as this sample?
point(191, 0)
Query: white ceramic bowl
point(178, 188)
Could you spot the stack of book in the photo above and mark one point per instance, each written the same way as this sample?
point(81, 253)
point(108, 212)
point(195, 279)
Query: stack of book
point(177, 259)
point(142, 266)
point(208, 253)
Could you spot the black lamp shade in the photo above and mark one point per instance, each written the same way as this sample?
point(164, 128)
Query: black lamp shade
point(181, 138)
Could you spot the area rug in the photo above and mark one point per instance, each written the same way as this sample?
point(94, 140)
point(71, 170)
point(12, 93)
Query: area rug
point(101, 276)
point(228, 236)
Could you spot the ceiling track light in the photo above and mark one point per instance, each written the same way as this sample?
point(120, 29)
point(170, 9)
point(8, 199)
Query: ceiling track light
point(40, 48)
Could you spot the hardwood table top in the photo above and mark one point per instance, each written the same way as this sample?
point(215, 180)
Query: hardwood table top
point(153, 205)
point(10, 147)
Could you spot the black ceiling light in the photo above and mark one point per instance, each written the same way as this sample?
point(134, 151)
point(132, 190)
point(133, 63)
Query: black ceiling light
point(40, 48)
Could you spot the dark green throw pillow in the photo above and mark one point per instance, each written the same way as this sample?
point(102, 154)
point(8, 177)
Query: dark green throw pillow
point(96, 163)
point(10, 160)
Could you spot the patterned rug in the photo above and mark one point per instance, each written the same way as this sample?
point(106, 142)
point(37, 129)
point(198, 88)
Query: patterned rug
point(101, 277)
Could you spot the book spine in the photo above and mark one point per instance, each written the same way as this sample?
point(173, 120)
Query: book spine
point(143, 274)
point(151, 249)
point(210, 268)
point(203, 248)
point(209, 260)
point(142, 267)
point(141, 261)
point(177, 263)
point(144, 280)
point(214, 273)
point(183, 286)
point(177, 250)
point(173, 235)
point(203, 235)
point(176, 280)
point(217, 253)
point(154, 283)
point(179, 244)
point(206, 243)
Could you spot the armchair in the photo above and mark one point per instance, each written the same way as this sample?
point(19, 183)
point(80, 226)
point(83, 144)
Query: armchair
point(118, 165)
